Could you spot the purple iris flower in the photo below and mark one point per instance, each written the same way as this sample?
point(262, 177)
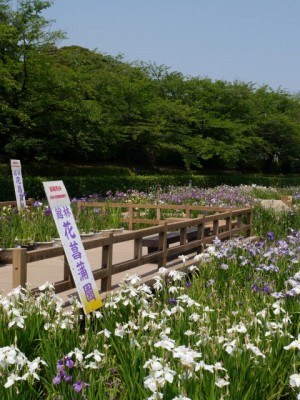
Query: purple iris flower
point(59, 377)
point(79, 385)
point(56, 380)
point(266, 289)
point(255, 288)
point(270, 236)
point(47, 211)
point(67, 378)
point(69, 362)
point(172, 301)
point(60, 366)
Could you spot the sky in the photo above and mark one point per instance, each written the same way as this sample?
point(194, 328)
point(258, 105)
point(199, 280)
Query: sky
point(254, 41)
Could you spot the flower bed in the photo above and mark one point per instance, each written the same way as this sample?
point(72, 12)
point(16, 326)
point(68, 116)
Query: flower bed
point(19, 228)
point(227, 328)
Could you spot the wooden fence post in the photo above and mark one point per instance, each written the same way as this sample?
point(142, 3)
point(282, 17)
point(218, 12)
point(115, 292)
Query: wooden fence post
point(216, 227)
point(79, 206)
point(158, 213)
point(162, 246)
point(130, 217)
point(19, 267)
point(187, 211)
point(250, 222)
point(107, 253)
point(229, 224)
point(30, 203)
point(239, 220)
point(200, 237)
point(183, 235)
point(137, 248)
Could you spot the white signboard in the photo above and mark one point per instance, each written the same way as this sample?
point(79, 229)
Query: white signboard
point(18, 183)
point(59, 203)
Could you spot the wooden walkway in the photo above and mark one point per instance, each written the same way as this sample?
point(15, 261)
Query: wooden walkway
point(130, 256)
point(52, 269)
point(115, 255)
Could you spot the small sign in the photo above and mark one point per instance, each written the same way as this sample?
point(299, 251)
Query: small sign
point(60, 205)
point(18, 183)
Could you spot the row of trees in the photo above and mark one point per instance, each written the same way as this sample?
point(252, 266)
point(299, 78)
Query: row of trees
point(73, 104)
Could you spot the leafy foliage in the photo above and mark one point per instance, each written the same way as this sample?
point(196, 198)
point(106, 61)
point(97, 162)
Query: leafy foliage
point(72, 104)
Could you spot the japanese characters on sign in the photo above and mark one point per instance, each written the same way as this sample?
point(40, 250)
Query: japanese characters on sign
point(59, 203)
point(18, 183)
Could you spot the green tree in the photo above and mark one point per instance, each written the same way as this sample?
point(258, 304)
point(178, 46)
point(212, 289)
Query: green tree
point(25, 39)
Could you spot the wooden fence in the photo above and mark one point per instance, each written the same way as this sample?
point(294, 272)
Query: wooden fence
point(13, 203)
point(132, 214)
point(224, 225)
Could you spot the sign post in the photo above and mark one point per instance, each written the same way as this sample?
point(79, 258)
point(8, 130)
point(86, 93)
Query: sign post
point(18, 183)
point(60, 205)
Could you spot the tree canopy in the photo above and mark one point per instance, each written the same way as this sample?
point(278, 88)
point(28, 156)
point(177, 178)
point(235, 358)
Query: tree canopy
point(73, 104)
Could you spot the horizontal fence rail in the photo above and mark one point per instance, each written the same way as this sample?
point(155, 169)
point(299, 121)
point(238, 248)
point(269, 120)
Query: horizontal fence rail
point(224, 225)
point(13, 203)
point(132, 214)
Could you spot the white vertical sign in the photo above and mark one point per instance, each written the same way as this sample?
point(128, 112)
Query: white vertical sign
point(18, 183)
point(59, 203)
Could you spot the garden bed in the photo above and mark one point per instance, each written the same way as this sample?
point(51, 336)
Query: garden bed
point(223, 322)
